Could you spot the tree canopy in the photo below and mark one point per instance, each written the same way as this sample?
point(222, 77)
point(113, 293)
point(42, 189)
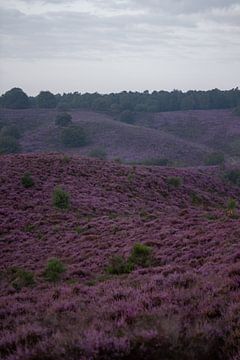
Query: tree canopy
point(46, 100)
point(15, 98)
point(146, 101)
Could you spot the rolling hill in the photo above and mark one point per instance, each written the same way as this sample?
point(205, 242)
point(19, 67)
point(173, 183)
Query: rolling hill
point(185, 138)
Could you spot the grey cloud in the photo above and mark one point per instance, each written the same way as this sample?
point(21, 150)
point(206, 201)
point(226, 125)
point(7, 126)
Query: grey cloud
point(91, 36)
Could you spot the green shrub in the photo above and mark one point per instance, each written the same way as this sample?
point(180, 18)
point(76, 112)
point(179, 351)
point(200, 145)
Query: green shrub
point(215, 159)
point(27, 181)
point(8, 145)
point(196, 199)
point(98, 153)
point(156, 162)
point(66, 159)
point(231, 207)
point(127, 116)
point(63, 119)
point(12, 131)
point(73, 136)
point(54, 269)
point(60, 198)
point(118, 265)
point(174, 181)
point(233, 176)
point(21, 278)
point(141, 255)
point(237, 110)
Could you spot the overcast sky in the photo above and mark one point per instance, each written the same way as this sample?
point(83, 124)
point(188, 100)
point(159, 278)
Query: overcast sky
point(114, 45)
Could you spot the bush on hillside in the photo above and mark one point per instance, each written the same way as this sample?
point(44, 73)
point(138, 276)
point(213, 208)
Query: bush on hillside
point(54, 269)
point(215, 158)
point(61, 198)
point(174, 181)
point(27, 180)
point(233, 176)
point(9, 145)
point(98, 153)
point(118, 265)
point(237, 110)
point(12, 131)
point(141, 255)
point(73, 136)
point(21, 278)
point(156, 162)
point(127, 116)
point(63, 119)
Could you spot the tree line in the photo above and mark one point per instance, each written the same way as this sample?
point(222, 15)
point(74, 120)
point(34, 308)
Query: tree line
point(146, 101)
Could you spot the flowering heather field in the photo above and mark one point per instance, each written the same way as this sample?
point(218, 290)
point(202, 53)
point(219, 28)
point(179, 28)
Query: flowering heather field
point(183, 137)
point(186, 305)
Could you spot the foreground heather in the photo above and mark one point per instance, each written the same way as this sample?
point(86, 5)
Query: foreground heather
point(186, 305)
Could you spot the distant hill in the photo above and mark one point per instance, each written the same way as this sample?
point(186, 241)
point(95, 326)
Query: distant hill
point(183, 138)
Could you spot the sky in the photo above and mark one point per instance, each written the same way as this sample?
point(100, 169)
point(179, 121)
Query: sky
point(115, 45)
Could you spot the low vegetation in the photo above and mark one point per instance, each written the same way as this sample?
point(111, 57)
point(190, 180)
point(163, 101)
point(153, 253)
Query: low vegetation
point(98, 153)
point(141, 255)
point(9, 145)
point(215, 158)
point(54, 270)
point(61, 198)
point(63, 119)
point(21, 278)
point(73, 137)
point(130, 270)
point(27, 180)
point(233, 176)
point(174, 181)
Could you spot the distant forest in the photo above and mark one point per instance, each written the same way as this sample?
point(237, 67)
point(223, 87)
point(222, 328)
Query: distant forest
point(146, 101)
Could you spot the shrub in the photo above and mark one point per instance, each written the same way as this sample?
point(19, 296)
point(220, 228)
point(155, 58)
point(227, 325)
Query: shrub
point(66, 159)
point(21, 278)
point(54, 269)
point(12, 131)
point(73, 136)
point(127, 116)
point(118, 265)
point(8, 145)
point(141, 255)
point(215, 159)
point(233, 176)
point(60, 198)
point(156, 162)
point(27, 181)
point(196, 199)
point(174, 181)
point(98, 153)
point(231, 207)
point(63, 119)
point(237, 110)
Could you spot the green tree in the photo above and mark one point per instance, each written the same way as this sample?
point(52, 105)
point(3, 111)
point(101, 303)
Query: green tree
point(46, 100)
point(8, 145)
point(215, 159)
point(15, 98)
point(63, 119)
point(73, 136)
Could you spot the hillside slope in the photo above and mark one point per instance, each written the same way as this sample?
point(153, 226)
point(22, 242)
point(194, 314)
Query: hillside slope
point(183, 137)
point(185, 305)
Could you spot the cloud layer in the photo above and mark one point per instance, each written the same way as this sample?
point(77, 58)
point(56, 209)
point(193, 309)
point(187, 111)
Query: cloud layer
point(109, 30)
